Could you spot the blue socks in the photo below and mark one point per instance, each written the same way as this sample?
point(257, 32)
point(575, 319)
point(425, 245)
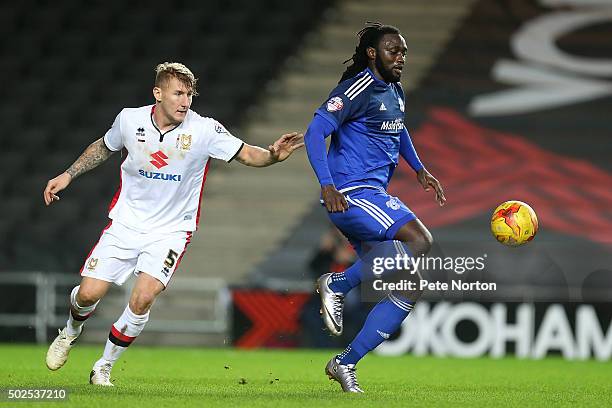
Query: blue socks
point(345, 281)
point(384, 319)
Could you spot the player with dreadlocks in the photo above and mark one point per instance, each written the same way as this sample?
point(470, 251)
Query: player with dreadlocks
point(364, 115)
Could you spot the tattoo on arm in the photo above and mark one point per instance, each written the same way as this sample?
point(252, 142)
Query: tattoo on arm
point(95, 154)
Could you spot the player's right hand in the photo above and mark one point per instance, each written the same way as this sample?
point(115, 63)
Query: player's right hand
point(55, 186)
point(334, 200)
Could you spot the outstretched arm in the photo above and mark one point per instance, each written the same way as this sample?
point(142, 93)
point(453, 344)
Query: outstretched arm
point(95, 154)
point(256, 156)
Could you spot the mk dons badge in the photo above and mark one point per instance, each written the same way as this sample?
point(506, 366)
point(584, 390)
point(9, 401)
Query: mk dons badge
point(91, 265)
point(183, 142)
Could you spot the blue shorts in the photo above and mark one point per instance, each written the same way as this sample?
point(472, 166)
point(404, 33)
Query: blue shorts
point(373, 216)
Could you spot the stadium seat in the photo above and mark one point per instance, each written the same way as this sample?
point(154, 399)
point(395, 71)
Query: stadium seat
point(36, 245)
point(16, 208)
point(96, 71)
point(7, 227)
point(43, 20)
point(30, 188)
point(190, 22)
point(74, 142)
point(141, 22)
point(169, 48)
point(64, 212)
point(98, 210)
point(35, 88)
point(117, 46)
point(86, 188)
point(99, 18)
point(74, 67)
point(83, 237)
point(70, 45)
point(12, 163)
point(36, 138)
point(54, 116)
point(11, 68)
point(9, 19)
point(55, 67)
point(55, 164)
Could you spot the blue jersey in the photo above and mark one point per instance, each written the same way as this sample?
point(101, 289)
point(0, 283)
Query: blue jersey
point(368, 117)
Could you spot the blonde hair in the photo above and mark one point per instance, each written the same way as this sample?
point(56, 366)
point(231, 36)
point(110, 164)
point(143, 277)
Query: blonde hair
point(166, 70)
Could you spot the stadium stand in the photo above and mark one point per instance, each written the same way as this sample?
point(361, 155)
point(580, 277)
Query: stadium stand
point(533, 153)
point(71, 67)
point(303, 87)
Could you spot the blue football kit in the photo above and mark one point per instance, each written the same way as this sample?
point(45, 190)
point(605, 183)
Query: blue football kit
point(365, 118)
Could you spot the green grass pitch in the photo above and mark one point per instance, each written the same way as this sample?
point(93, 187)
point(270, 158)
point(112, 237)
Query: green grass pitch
point(185, 377)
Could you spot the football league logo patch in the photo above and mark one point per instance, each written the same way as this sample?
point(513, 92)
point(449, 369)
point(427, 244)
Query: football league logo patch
point(401, 103)
point(393, 203)
point(220, 129)
point(335, 104)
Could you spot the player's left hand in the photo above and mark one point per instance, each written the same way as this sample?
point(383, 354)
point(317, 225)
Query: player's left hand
point(287, 144)
point(427, 181)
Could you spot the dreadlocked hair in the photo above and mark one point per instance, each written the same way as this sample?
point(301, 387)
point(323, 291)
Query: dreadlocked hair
point(369, 36)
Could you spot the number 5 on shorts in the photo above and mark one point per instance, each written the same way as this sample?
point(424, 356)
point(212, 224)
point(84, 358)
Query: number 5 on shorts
point(170, 261)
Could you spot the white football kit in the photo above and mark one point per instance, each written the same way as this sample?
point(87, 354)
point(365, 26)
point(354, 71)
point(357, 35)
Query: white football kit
point(157, 205)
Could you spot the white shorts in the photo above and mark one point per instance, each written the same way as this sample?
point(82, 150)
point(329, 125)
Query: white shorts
point(121, 251)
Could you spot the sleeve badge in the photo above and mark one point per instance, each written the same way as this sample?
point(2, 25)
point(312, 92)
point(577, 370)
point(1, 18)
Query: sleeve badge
point(335, 104)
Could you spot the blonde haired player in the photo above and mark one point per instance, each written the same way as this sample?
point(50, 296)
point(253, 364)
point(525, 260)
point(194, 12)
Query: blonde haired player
point(156, 208)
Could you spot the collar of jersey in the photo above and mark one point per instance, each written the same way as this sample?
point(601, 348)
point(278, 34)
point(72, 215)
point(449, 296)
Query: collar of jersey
point(379, 81)
point(161, 135)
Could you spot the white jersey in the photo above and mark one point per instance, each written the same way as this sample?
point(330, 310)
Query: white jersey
point(163, 174)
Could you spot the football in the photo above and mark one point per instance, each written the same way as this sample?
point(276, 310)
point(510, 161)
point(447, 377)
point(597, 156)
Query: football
point(514, 223)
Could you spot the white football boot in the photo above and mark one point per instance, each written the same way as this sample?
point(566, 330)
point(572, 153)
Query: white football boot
point(332, 305)
point(100, 375)
point(59, 350)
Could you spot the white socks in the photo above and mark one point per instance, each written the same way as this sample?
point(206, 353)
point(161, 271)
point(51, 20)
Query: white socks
point(123, 332)
point(78, 314)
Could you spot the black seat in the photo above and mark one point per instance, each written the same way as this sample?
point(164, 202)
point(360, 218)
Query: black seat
point(54, 164)
point(16, 208)
point(71, 45)
point(119, 46)
point(71, 68)
point(12, 163)
point(10, 18)
point(35, 138)
point(11, 114)
point(30, 188)
point(64, 212)
point(97, 70)
point(7, 229)
point(36, 246)
point(73, 143)
point(99, 19)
